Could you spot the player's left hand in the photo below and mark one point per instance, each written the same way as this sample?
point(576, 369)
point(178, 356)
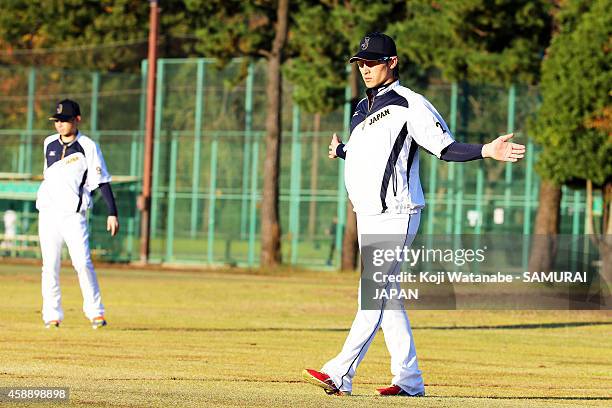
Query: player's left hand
point(502, 150)
point(112, 224)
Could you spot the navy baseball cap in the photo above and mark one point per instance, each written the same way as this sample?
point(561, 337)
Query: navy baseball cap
point(65, 110)
point(375, 46)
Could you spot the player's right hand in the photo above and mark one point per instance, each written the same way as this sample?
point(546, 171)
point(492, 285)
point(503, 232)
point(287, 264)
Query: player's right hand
point(333, 145)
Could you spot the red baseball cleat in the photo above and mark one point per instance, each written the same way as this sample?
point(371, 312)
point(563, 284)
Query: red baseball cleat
point(52, 324)
point(98, 322)
point(395, 390)
point(322, 380)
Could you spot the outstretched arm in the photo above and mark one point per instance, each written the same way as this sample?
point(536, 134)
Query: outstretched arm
point(461, 152)
point(503, 150)
point(499, 149)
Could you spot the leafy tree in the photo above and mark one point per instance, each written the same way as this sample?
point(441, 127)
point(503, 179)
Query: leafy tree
point(572, 125)
point(575, 94)
point(228, 29)
point(109, 35)
point(492, 42)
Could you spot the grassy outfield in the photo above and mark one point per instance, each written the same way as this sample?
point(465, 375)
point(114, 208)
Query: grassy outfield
point(234, 338)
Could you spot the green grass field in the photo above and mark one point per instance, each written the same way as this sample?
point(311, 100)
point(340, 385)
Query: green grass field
point(239, 338)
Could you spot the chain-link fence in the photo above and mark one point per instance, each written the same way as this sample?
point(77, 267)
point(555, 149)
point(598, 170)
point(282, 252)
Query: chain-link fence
point(209, 152)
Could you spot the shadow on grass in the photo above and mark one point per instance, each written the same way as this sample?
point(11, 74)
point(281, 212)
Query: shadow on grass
point(443, 397)
point(516, 326)
point(341, 329)
point(528, 398)
point(237, 329)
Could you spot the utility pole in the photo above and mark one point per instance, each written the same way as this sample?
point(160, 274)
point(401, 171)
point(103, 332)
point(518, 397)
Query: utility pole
point(144, 201)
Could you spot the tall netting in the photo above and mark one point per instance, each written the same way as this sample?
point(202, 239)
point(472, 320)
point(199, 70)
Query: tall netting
point(209, 155)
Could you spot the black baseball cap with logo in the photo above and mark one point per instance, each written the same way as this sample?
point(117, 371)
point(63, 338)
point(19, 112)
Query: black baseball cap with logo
point(375, 46)
point(66, 109)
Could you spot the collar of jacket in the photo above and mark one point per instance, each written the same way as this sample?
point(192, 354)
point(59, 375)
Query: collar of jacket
point(59, 137)
point(381, 89)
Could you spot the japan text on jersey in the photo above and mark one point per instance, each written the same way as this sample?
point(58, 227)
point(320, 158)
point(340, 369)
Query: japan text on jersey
point(382, 156)
point(71, 172)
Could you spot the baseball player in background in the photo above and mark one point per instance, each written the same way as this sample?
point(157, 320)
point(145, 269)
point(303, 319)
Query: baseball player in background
point(73, 169)
point(10, 228)
point(382, 179)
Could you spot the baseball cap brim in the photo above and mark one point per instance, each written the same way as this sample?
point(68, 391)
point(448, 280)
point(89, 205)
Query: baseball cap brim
point(61, 117)
point(368, 56)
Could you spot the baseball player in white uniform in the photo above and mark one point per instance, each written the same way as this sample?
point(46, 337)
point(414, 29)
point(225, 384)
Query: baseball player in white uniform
point(10, 228)
point(388, 128)
point(73, 169)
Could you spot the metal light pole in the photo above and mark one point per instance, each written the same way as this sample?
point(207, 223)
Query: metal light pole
point(144, 201)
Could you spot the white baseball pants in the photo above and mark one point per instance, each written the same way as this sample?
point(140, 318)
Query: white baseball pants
point(54, 229)
point(394, 323)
